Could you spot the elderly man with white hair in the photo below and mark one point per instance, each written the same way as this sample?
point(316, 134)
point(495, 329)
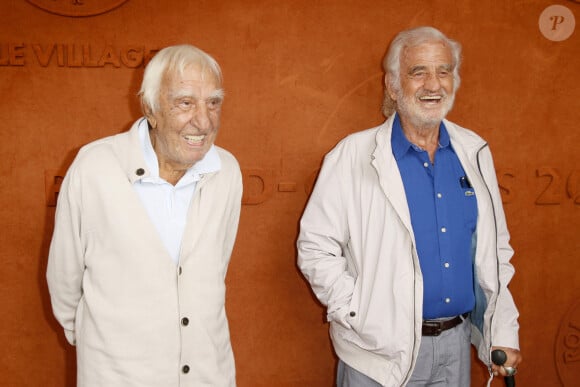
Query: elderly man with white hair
point(404, 237)
point(145, 225)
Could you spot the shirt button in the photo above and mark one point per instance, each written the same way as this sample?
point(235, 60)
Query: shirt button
point(180, 270)
point(185, 321)
point(446, 264)
point(425, 164)
point(439, 195)
point(447, 300)
point(443, 229)
point(185, 369)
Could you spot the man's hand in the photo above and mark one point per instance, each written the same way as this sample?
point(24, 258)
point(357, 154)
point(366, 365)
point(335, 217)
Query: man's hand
point(514, 358)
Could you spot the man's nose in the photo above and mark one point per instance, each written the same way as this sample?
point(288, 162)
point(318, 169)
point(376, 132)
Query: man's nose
point(432, 82)
point(200, 118)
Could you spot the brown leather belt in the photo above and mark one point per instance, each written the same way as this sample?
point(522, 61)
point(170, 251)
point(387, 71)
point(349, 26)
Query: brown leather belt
point(435, 327)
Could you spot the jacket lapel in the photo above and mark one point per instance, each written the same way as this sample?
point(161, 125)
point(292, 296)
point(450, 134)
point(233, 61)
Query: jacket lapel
point(389, 176)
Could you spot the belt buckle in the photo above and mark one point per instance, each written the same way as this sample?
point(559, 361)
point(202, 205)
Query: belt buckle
point(435, 328)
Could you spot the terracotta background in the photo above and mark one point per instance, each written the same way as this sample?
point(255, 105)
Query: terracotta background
point(299, 76)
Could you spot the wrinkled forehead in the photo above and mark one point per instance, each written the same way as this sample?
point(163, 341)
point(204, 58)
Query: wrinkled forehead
point(191, 73)
point(429, 51)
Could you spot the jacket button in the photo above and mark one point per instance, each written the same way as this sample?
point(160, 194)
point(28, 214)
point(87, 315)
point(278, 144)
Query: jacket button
point(185, 321)
point(180, 270)
point(352, 314)
point(140, 172)
point(185, 369)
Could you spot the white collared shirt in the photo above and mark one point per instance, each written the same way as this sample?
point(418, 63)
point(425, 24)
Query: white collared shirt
point(167, 205)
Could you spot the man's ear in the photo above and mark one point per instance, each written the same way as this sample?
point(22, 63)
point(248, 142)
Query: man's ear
point(389, 88)
point(149, 115)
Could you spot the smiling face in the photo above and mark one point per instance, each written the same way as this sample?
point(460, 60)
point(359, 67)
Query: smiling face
point(426, 92)
point(187, 121)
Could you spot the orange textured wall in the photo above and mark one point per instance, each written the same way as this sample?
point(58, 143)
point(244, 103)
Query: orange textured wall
point(299, 76)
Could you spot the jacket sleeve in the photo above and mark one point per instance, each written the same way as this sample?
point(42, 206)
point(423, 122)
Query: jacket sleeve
point(504, 329)
point(65, 261)
point(322, 241)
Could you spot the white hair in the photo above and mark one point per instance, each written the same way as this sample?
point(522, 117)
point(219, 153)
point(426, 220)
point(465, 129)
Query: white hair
point(173, 59)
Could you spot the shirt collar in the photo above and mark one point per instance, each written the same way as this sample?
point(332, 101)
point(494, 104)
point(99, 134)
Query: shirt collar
point(401, 144)
point(210, 163)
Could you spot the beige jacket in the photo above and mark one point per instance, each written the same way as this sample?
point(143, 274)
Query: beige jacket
point(357, 249)
point(135, 317)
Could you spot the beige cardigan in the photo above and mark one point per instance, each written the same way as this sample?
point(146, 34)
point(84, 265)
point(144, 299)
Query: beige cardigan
point(135, 317)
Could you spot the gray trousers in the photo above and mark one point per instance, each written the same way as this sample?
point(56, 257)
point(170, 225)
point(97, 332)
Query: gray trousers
point(444, 361)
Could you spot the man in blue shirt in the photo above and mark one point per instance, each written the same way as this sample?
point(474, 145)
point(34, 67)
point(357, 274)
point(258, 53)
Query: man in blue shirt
point(404, 238)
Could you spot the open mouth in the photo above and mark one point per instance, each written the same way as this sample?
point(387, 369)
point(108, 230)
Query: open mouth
point(431, 98)
point(194, 140)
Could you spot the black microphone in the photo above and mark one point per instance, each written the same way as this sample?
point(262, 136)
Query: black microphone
point(499, 357)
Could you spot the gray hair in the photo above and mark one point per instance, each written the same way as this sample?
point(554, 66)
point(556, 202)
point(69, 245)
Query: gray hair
point(412, 38)
point(173, 59)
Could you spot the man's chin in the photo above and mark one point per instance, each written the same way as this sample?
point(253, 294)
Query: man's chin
point(433, 117)
point(424, 117)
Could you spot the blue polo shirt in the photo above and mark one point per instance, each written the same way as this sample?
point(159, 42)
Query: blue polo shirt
point(443, 210)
